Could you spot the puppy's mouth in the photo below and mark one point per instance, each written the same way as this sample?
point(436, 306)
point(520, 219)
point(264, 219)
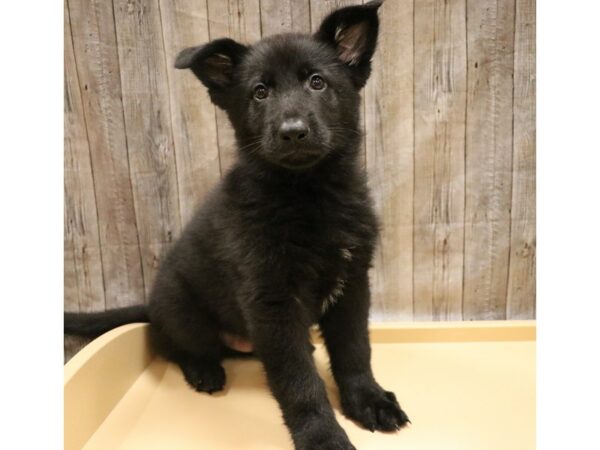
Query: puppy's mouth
point(300, 160)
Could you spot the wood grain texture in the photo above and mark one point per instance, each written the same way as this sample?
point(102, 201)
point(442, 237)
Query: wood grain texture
point(521, 275)
point(320, 8)
point(96, 58)
point(284, 16)
point(238, 20)
point(389, 147)
point(146, 108)
point(83, 263)
point(490, 34)
point(440, 104)
point(185, 24)
point(449, 147)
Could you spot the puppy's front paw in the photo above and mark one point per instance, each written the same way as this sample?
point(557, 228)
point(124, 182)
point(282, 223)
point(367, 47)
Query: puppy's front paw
point(375, 409)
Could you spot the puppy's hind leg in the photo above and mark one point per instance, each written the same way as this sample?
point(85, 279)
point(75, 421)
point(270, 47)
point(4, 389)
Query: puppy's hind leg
point(182, 332)
point(200, 364)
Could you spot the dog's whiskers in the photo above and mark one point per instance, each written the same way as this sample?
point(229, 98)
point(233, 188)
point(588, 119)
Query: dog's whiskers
point(253, 146)
point(345, 130)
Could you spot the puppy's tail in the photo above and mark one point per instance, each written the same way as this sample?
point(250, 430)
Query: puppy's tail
point(95, 324)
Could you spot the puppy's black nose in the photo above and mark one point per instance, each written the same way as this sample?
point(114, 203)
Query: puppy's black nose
point(293, 130)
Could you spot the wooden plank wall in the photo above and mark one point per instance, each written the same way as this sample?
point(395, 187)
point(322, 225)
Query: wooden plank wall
point(449, 114)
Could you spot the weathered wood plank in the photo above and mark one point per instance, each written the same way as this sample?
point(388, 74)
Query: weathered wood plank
point(284, 16)
point(95, 50)
point(320, 8)
point(185, 24)
point(84, 284)
point(521, 276)
point(71, 292)
point(490, 34)
point(440, 102)
point(146, 107)
point(389, 151)
point(238, 20)
point(179, 148)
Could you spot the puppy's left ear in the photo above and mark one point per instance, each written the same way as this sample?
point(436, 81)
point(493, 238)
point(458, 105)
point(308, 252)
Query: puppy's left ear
point(352, 31)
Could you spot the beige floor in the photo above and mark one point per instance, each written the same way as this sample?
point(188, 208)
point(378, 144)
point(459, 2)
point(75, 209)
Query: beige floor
point(472, 395)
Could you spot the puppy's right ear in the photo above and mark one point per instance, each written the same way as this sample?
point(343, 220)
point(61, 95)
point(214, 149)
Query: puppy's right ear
point(214, 64)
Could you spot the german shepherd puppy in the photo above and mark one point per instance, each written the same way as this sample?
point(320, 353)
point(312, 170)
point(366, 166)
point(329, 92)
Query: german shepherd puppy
point(286, 239)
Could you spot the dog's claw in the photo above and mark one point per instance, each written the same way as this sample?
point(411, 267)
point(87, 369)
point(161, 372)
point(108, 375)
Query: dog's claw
point(374, 408)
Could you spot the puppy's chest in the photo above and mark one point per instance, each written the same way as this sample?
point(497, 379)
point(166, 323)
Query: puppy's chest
point(320, 276)
point(335, 284)
point(321, 253)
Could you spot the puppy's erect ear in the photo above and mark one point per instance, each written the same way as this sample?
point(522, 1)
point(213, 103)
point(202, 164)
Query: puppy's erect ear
point(352, 31)
point(214, 64)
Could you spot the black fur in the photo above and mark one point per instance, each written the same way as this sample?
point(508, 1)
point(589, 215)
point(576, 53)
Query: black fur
point(95, 324)
point(286, 239)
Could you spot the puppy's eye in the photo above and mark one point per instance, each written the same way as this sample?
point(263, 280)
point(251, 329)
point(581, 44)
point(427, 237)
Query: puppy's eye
point(261, 92)
point(317, 83)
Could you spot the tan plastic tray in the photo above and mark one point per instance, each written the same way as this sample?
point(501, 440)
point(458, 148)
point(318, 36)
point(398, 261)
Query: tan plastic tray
point(465, 386)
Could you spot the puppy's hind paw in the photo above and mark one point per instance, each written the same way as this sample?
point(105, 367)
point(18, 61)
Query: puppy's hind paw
point(204, 376)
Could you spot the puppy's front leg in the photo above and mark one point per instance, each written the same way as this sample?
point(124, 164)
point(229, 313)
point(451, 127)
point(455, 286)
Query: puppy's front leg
point(281, 339)
point(345, 330)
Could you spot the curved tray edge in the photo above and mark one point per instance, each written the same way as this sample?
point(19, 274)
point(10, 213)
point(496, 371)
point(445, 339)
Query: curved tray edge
point(99, 375)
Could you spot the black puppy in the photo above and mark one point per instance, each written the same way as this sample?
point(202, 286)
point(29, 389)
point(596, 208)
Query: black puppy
point(286, 239)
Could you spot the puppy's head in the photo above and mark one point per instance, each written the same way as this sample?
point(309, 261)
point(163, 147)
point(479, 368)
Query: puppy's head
point(293, 99)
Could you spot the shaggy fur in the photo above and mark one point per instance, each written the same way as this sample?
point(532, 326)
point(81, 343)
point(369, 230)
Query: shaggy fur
point(286, 239)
